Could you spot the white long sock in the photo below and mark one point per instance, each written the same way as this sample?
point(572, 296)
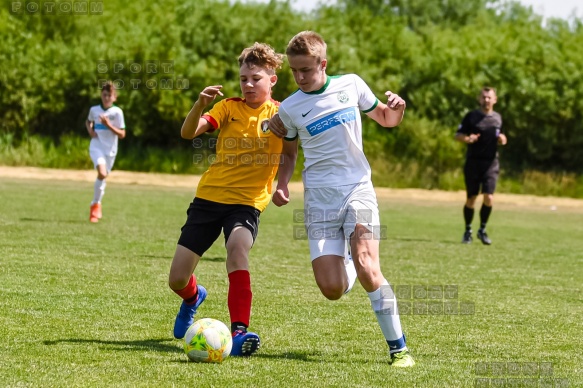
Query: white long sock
point(98, 190)
point(350, 271)
point(384, 305)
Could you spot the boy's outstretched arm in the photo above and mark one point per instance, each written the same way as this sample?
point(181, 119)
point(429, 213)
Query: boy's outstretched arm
point(194, 125)
point(390, 114)
point(289, 155)
point(90, 130)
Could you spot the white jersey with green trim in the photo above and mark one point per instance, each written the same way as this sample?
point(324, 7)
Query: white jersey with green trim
point(328, 124)
point(106, 139)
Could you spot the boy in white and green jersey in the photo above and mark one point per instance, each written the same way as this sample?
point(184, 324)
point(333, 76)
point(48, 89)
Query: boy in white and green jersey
point(340, 205)
point(328, 122)
point(105, 125)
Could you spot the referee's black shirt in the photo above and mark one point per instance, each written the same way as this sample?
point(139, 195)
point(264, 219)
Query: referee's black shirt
point(489, 126)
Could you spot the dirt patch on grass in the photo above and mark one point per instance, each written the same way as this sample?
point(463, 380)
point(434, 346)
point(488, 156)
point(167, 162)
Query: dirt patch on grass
point(191, 181)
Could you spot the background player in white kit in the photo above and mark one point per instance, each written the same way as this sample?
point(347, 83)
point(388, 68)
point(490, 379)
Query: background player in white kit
point(339, 199)
point(105, 125)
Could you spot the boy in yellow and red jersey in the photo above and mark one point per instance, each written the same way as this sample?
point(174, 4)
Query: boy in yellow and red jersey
point(232, 193)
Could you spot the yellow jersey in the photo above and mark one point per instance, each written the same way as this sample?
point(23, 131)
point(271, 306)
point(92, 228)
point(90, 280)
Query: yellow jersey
point(247, 154)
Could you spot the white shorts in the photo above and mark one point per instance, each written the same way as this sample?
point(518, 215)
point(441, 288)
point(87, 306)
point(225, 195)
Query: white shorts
point(331, 215)
point(98, 156)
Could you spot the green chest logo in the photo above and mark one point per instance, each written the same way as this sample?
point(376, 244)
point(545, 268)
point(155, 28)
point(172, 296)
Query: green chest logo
point(342, 97)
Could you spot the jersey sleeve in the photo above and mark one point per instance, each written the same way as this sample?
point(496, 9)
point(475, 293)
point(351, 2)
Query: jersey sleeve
point(120, 118)
point(292, 131)
point(465, 127)
point(90, 116)
point(367, 101)
point(218, 113)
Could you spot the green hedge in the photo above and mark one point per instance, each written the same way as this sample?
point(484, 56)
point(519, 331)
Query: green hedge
point(436, 54)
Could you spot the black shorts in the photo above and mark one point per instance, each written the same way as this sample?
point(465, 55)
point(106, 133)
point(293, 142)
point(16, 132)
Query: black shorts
point(482, 173)
point(205, 219)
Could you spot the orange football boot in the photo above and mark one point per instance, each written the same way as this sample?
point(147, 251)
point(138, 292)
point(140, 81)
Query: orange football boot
point(95, 213)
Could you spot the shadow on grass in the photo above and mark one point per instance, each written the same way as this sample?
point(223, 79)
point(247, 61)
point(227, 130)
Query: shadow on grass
point(158, 345)
point(28, 219)
point(298, 356)
point(318, 357)
point(294, 355)
point(168, 346)
point(409, 239)
point(214, 259)
point(165, 257)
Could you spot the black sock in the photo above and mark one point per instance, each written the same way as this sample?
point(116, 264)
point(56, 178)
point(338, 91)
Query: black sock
point(238, 326)
point(468, 217)
point(484, 215)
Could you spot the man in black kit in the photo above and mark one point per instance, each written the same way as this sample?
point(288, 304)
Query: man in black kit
point(481, 130)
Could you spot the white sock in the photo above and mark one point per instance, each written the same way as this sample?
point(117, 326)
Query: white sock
point(98, 191)
point(350, 271)
point(384, 305)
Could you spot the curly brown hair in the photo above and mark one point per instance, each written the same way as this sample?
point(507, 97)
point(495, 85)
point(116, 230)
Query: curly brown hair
point(262, 55)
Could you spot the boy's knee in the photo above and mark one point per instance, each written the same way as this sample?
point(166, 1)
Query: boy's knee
point(237, 251)
point(332, 292)
point(177, 283)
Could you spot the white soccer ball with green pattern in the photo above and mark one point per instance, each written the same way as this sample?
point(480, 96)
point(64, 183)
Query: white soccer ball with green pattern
point(208, 340)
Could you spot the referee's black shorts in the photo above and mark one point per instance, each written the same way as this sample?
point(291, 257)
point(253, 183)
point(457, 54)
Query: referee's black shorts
point(482, 174)
point(205, 219)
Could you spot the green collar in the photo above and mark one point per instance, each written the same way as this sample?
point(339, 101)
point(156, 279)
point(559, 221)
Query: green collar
point(321, 90)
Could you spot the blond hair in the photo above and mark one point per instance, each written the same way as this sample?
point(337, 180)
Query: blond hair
point(262, 55)
point(307, 43)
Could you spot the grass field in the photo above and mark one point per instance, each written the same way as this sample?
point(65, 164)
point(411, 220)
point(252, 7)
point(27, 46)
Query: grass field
point(86, 305)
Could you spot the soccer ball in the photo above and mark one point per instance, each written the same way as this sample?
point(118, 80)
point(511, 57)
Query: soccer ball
point(208, 340)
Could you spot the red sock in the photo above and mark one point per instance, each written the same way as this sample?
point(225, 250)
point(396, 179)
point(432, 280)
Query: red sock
point(240, 296)
point(189, 292)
